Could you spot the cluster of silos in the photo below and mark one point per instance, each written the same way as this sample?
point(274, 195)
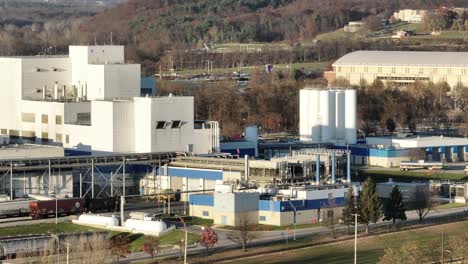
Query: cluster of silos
point(328, 116)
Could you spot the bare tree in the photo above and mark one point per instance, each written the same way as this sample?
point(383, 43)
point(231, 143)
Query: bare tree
point(408, 253)
point(93, 249)
point(243, 233)
point(119, 245)
point(332, 220)
point(421, 201)
point(151, 246)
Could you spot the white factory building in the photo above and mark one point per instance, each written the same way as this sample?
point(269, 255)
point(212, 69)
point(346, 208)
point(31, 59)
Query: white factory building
point(90, 101)
point(410, 15)
point(328, 116)
point(362, 68)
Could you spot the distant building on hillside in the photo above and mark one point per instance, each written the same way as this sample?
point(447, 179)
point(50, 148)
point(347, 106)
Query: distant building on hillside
point(410, 15)
point(353, 26)
point(401, 67)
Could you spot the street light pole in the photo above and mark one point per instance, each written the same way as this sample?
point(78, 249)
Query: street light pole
point(186, 238)
point(355, 238)
point(294, 225)
point(68, 252)
point(56, 206)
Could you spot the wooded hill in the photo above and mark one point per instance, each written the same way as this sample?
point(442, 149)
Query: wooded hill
point(156, 25)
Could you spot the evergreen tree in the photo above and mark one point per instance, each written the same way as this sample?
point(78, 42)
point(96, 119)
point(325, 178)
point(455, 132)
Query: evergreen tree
point(394, 208)
point(369, 206)
point(347, 216)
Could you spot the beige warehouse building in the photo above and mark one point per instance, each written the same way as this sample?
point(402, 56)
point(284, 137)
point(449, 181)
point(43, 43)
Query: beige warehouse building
point(401, 67)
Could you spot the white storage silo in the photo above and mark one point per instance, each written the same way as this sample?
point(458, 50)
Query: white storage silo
point(327, 115)
point(340, 114)
point(315, 127)
point(304, 128)
point(351, 116)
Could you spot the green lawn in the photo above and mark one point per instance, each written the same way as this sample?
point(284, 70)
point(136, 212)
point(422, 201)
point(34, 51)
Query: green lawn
point(308, 65)
point(136, 241)
point(369, 249)
point(175, 236)
point(249, 47)
point(407, 176)
point(191, 220)
point(37, 229)
point(449, 206)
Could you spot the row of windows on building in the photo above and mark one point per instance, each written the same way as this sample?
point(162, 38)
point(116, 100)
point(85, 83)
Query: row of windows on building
point(402, 78)
point(59, 138)
point(406, 70)
point(31, 118)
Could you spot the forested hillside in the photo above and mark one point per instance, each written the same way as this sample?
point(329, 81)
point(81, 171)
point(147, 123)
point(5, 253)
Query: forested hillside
point(159, 24)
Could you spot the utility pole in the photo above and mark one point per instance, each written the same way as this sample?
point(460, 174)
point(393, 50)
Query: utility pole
point(355, 238)
point(442, 251)
point(11, 181)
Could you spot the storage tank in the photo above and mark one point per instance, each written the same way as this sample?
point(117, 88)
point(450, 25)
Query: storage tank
point(98, 220)
point(327, 115)
point(315, 127)
point(340, 114)
point(304, 118)
point(251, 134)
point(350, 116)
point(146, 226)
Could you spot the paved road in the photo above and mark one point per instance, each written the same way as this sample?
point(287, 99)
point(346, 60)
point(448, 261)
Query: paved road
point(267, 237)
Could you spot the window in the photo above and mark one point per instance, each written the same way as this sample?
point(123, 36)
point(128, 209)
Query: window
point(45, 135)
point(160, 124)
point(45, 119)
point(59, 138)
point(83, 118)
point(67, 139)
point(28, 117)
point(206, 213)
point(3, 131)
point(29, 134)
point(14, 133)
point(58, 120)
point(262, 218)
point(176, 124)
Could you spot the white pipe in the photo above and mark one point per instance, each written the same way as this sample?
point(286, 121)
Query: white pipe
point(246, 174)
point(56, 91)
point(85, 95)
point(44, 92)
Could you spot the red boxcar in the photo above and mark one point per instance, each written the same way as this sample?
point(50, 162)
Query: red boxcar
point(40, 209)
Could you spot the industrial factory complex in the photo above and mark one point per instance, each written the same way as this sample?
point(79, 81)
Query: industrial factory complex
point(89, 102)
point(87, 126)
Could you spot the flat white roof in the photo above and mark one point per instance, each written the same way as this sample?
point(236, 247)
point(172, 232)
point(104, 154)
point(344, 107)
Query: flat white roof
point(404, 58)
point(418, 142)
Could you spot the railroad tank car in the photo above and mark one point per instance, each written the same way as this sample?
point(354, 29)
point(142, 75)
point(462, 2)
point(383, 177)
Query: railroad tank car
point(14, 208)
point(41, 209)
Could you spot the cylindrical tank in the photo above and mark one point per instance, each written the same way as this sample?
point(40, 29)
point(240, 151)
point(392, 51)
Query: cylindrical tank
point(98, 220)
point(304, 115)
point(327, 115)
point(251, 134)
point(146, 226)
point(340, 114)
point(351, 116)
point(314, 118)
